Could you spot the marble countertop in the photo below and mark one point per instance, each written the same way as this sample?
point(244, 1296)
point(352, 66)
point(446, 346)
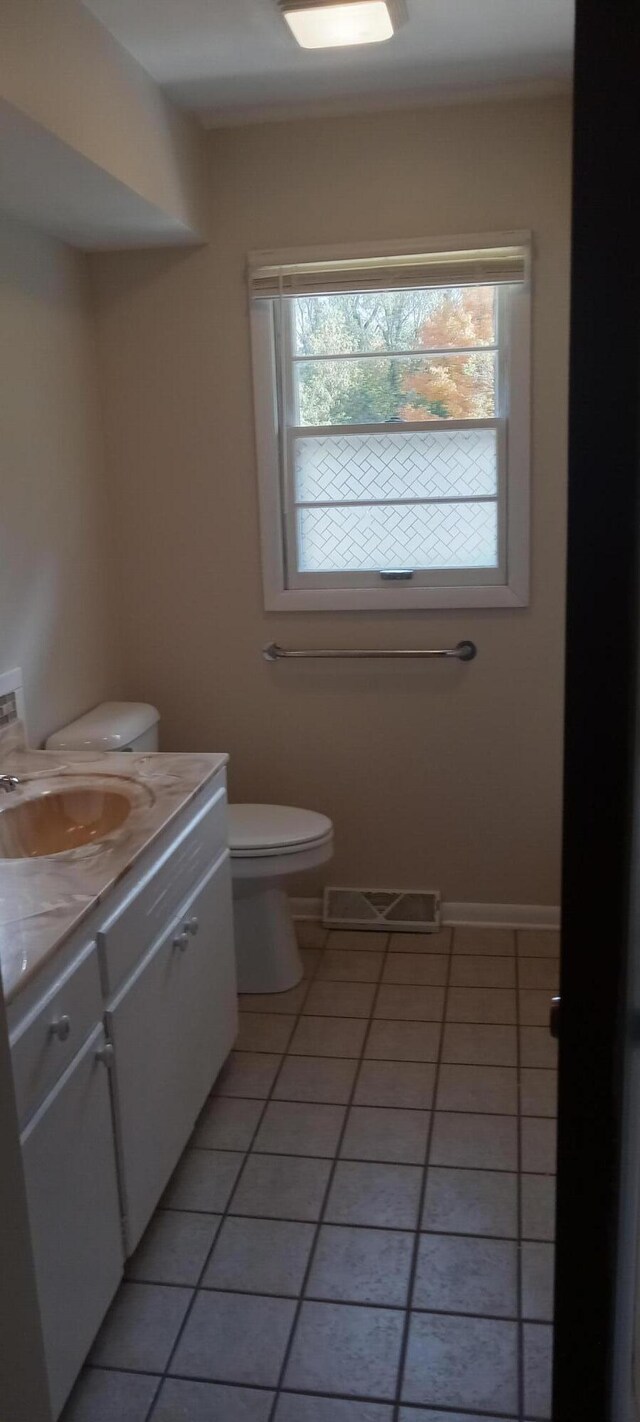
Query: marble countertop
point(42, 900)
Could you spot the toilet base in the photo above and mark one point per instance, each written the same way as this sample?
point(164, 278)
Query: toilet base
point(267, 954)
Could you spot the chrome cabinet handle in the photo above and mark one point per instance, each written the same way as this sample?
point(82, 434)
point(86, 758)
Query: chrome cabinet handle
point(105, 1054)
point(61, 1029)
point(181, 942)
point(192, 925)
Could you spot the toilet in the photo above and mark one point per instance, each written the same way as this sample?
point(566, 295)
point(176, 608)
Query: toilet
point(267, 843)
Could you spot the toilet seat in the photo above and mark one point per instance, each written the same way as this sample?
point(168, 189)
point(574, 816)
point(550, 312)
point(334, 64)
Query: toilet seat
point(264, 831)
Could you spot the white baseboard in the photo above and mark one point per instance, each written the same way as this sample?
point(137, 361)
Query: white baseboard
point(459, 914)
point(501, 915)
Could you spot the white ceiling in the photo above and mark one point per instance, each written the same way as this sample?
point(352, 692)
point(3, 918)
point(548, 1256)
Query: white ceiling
point(233, 60)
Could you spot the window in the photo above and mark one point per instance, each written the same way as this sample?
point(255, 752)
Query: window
point(392, 423)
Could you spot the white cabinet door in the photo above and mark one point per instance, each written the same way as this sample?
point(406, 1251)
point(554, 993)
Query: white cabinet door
point(172, 1026)
point(69, 1161)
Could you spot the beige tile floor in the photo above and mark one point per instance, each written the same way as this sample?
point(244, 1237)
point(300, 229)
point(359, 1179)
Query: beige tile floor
point(361, 1229)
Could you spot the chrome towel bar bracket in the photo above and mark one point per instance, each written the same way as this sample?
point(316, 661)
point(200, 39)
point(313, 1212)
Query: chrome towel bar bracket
point(462, 652)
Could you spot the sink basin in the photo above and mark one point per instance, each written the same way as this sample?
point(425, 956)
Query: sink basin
point(50, 821)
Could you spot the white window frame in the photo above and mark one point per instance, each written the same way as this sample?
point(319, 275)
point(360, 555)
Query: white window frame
point(505, 586)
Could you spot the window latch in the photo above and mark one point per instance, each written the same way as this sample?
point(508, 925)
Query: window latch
point(396, 575)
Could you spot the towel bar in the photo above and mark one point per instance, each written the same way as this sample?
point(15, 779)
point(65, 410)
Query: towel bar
point(462, 652)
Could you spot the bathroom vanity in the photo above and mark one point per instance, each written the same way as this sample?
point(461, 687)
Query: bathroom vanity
point(120, 992)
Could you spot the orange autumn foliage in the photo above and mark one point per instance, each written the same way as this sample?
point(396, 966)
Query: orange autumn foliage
point(456, 386)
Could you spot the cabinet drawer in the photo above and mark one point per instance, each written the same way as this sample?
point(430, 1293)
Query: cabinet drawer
point(126, 937)
point(49, 1037)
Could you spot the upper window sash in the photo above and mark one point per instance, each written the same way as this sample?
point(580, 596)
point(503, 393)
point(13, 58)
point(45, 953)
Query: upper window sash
point(411, 360)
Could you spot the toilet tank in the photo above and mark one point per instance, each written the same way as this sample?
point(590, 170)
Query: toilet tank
point(111, 726)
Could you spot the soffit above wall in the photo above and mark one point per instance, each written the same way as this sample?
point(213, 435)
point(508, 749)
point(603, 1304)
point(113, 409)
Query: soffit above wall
point(91, 149)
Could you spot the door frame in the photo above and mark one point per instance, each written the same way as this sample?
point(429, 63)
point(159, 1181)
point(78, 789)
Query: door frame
point(602, 740)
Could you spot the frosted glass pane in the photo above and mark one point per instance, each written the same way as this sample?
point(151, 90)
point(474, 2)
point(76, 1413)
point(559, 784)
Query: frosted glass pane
point(423, 465)
point(352, 539)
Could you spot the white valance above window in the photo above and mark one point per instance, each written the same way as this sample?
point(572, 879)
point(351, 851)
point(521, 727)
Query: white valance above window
point(303, 273)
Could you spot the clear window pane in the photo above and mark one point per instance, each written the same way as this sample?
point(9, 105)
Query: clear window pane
point(439, 318)
point(352, 539)
point(395, 389)
point(423, 464)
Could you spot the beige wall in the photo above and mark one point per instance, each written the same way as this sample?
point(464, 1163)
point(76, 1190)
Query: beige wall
point(444, 776)
point(53, 551)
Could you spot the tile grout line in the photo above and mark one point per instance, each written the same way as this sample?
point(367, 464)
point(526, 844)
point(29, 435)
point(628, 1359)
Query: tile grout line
point(327, 1191)
point(367, 1160)
point(342, 1224)
point(396, 1061)
point(326, 1298)
point(359, 1400)
point(364, 1017)
point(377, 1105)
point(404, 1344)
point(225, 1212)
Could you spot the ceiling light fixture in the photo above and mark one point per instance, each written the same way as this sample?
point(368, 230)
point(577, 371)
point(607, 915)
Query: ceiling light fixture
point(318, 25)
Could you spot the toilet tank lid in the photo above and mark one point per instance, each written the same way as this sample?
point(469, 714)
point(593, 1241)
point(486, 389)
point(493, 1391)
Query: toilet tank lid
point(110, 726)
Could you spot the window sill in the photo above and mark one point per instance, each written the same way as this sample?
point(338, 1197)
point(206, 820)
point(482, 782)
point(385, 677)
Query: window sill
point(396, 599)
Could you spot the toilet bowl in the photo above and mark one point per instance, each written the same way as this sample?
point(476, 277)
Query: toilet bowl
point(268, 843)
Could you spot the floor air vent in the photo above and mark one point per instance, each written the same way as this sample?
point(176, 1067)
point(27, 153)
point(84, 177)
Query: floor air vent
point(400, 910)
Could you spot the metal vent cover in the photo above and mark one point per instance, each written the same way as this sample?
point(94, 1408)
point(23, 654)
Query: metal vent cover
point(397, 910)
